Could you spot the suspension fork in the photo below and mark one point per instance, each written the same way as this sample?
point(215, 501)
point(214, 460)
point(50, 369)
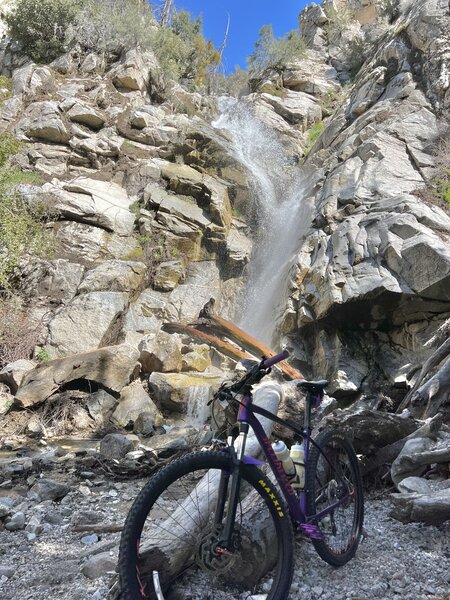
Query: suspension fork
point(233, 482)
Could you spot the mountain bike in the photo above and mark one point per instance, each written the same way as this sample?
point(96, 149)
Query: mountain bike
point(215, 525)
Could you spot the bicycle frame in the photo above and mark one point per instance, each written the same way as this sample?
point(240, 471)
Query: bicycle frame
point(296, 502)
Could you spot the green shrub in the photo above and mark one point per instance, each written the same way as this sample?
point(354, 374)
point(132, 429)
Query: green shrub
point(42, 355)
point(183, 51)
point(5, 88)
point(22, 231)
point(41, 25)
point(22, 224)
point(272, 89)
point(110, 26)
point(9, 146)
point(234, 84)
point(272, 54)
point(314, 134)
point(46, 28)
point(338, 19)
point(331, 100)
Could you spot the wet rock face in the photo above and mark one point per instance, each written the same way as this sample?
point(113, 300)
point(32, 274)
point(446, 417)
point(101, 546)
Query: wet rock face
point(375, 248)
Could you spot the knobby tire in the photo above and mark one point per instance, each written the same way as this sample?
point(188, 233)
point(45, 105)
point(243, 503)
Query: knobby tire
point(159, 489)
point(342, 529)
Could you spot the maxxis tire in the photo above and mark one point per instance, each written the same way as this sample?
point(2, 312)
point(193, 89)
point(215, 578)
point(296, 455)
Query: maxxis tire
point(140, 509)
point(321, 547)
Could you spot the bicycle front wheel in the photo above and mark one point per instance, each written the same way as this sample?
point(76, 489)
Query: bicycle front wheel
point(175, 525)
point(333, 479)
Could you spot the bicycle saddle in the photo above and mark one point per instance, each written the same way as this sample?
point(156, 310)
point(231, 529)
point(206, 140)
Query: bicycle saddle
point(313, 386)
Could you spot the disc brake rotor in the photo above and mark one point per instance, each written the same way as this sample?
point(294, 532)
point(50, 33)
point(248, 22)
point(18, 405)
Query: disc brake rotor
point(211, 557)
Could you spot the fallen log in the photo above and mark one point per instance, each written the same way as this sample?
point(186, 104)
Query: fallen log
point(435, 359)
point(222, 327)
point(432, 508)
point(389, 453)
point(224, 347)
point(436, 390)
point(171, 555)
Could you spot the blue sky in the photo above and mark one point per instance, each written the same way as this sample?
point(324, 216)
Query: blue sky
point(247, 18)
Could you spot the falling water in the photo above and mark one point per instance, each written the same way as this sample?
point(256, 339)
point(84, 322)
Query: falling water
point(282, 216)
point(197, 405)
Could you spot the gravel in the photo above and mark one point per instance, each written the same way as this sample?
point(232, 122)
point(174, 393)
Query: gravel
point(394, 561)
point(53, 559)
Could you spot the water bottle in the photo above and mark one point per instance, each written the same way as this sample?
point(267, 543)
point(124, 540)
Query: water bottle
point(297, 455)
point(282, 453)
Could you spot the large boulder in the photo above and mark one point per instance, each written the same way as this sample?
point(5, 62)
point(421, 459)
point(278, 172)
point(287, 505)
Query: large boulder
point(81, 112)
point(50, 280)
point(135, 71)
point(88, 244)
point(43, 121)
point(100, 203)
point(117, 275)
point(418, 454)
point(100, 405)
point(311, 22)
point(239, 245)
point(160, 352)
point(297, 108)
point(369, 429)
point(168, 275)
point(112, 367)
point(13, 373)
point(180, 214)
point(115, 446)
point(312, 75)
point(210, 194)
point(134, 402)
point(181, 392)
point(84, 323)
point(432, 508)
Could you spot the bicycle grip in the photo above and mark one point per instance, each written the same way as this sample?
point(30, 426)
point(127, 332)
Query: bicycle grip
point(276, 359)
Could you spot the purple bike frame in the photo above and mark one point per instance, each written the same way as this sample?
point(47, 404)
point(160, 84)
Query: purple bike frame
point(296, 503)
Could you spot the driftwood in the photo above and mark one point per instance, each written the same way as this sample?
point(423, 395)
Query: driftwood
point(211, 328)
point(389, 453)
point(432, 508)
point(436, 391)
point(224, 347)
point(173, 552)
point(416, 456)
point(437, 383)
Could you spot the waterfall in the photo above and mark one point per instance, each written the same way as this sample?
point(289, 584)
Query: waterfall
point(197, 405)
point(280, 211)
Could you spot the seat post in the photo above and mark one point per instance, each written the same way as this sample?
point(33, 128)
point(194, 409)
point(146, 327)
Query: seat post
point(314, 394)
point(308, 406)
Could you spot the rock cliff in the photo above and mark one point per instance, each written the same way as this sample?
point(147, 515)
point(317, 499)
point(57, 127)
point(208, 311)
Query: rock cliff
point(145, 194)
point(151, 209)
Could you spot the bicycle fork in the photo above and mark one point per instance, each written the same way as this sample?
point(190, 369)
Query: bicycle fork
point(229, 489)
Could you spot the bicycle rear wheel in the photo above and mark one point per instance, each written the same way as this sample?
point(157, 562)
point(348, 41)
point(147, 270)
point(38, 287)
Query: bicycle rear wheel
point(172, 528)
point(332, 475)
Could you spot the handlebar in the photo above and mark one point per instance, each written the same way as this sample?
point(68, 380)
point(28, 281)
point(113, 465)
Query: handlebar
point(254, 375)
point(276, 359)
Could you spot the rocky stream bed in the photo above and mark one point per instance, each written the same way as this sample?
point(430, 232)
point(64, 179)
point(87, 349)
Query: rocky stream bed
point(65, 511)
